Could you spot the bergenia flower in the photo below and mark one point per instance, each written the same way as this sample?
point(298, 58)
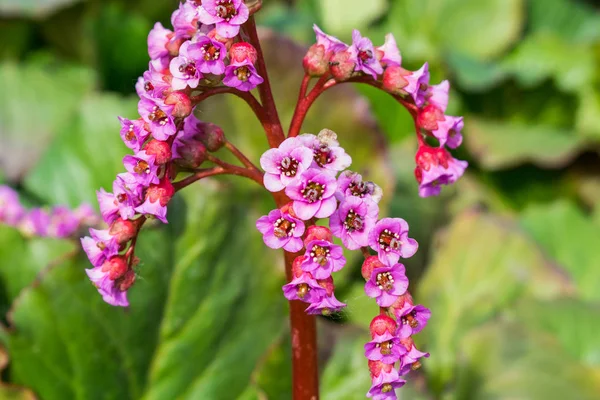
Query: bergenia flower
point(108, 277)
point(363, 54)
point(412, 319)
point(157, 198)
point(329, 43)
point(304, 288)
point(327, 152)
point(436, 167)
point(313, 194)
point(281, 229)
point(410, 360)
point(285, 164)
point(388, 53)
point(385, 390)
point(109, 206)
point(382, 372)
point(127, 192)
point(385, 348)
point(184, 70)
point(350, 183)
point(153, 83)
point(133, 133)
point(387, 284)
point(353, 220)
point(227, 15)
point(438, 95)
point(185, 20)
point(158, 116)
point(209, 55)
point(326, 306)
point(35, 222)
point(389, 238)
point(63, 222)
point(418, 84)
point(448, 131)
point(99, 246)
point(242, 76)
point(158, 38)
point(322, 258)
point(11, 210)
point(142, 167)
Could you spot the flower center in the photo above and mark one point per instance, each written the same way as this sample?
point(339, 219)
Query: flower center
point(243, 73)
point(101, 245)
point(323, 155)
point(142, 167)
point(320, 255)
point(415, 366)
point(188, 69)
point(288, 166)
point(358, 189)
point(410, 319)
point(130, 135)
point(121, 197)
point(148, 86)
point(385, 281)
point(386, 347)
point(313, 191)
point(353, 222)
point(225, 9)
point(158, 116)
point(389, 240)
point(283, 228)
point(365, 55)
point(302, 290)
point(210, 52)
point(386, 388)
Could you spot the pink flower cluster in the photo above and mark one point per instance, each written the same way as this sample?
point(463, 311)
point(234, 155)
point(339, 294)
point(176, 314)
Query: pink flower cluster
point(57, 222)
point(382, 66)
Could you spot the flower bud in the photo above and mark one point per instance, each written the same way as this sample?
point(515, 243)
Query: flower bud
point(316, 232)
point(382, 324)
point(296, 266)
point(341, 66)
point(173, 46)
point(160, 150)
point(316, 62)
point(161, 192)
point(126, 281)
point(211, 135)
point(328, 285)
point(429, 116)
point(375, 367)
point(242, 51)
point(181, 102)
point(402, 301)
point(115, 267)
point(123, 230)
point(192, 153)
point(369, 265)
point(394, 79)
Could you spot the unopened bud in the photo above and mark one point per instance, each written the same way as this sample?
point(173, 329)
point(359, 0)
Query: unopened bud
point(382, 324)
point(161, 192)
point(181, 102)
point(316, 232)
point(160, 150)
point(192, 153)
point(241, 52)
point(126, 281)
point(369, 265)
point(211, 135)
point(296, 266)
point(123, 230)
point(115, 267)
point(394, 79)
point(341, 66)
point(316, 61)
point(429, 117)
point(173, 46)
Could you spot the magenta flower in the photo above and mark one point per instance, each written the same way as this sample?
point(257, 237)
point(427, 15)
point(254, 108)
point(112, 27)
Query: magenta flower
point(209, 55)
point(185, 20)
point(11, 210)
point(280, 229)
point(242, 76)
point(100, 246)
point(350, 183)
point(157, 198)
point(227, 15)
point(448, 131)
point(152, 83)
point(184, 70)
point(326, 306)
point(436, 167)
point(304, 288)
point(388, 52)
point(313, 194)
point(389, 238)
point(285, 164)
point(438, 95)
point(35, 222)
point(322, 258)
point(412, 319)
point(387, 284)
point(410, 360)
point(363, 54)
point(353, 220)
point(158, 116)
point(109, 206)
point(63, 222)
point(112, 279)
point(418, 82)
point(86, 215)
point(142, 167)
point(384, 389)
point(133, 133)
point(329, 43)
point(385, 348)
point(158, 38)
point(327, 153)
point(127, 193)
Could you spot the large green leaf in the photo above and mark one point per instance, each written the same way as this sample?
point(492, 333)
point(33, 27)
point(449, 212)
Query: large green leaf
point(572, 20)
point(32, 8)
point(356, 14)
point(481, 266)
point(201, 301)
point(568, 236)
point(53, 91)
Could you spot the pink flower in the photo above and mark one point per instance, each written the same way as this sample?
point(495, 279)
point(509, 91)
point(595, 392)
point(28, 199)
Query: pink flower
point(322, 258)
point(326, 306)
point(417, 86)
point(438, 95)
point(350, 183)
point(11, 210)
point(158, 38)
point(112, 279)
point(242, 76)
point(387, 284)
point(353, 220)
point(304, 288)
point(133, 133)
point(385, 348)
point(285, 164)
point(157, 198)
point(185, 20)
point(410, 360)
point(412, 319)
point(227, 15)
point(363, 54)
point(142, 167)
point(184, 70)
point(100, 246)
point(109, 207)
point(329, 43)
point(158, 116)
point(313, 194)
point(280, 229)
point(327, 153)
point(63, 222)
point(436, 167)
point(128, 194)
point(209, 55)
point(388, 54)
point(389, 238)
point(153, 83)
point(448, 131)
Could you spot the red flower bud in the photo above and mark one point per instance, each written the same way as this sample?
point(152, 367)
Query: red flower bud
point(242, 51)
point(126, 281)
point(369, 265)
point(123, 230)
point(161, 192)
point(211, 135)
point(192, 153)
point(402, 301)
point(316, 232)
point(296, 269)
point(394, 79)
point(429, 116)
point(181, 101)
point(382, 324)
point(341, 66)
point(115, 267)
point(316, 61)
point(328, 285)
point(160, 150)
point(375, 367)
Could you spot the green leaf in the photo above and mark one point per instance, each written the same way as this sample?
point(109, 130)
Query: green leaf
point(86, 155)
point(570, 238)
point(53, 91)
point(357, 14)
point(207, 292)
point(588, 113)
point(572, 20)
point(473, 74)
point(498, 145)
point(32, 8)
point(466, 288)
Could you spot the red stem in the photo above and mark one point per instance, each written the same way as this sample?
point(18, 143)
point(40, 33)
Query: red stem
point(304, 104)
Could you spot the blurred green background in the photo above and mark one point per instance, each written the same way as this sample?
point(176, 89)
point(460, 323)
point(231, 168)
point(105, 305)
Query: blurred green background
point(509, 258)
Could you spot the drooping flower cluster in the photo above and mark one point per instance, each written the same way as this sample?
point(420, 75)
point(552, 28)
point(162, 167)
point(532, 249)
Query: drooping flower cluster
point(56, 222)
point(361, 60)
point(202, 51)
